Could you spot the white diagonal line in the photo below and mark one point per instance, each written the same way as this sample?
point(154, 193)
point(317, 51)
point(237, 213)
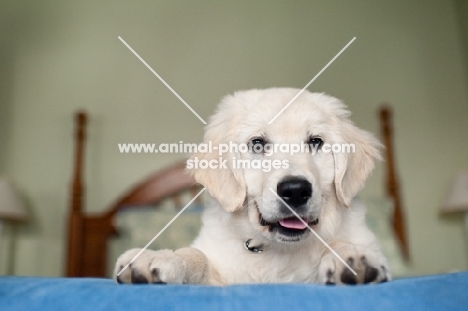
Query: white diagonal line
point(315, 233)
point(162, 230)
point(313, 79)
point(162, 80)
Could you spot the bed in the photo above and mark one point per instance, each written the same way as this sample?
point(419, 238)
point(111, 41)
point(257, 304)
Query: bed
point(441, 292)
point(89, 235)
point(88, 286)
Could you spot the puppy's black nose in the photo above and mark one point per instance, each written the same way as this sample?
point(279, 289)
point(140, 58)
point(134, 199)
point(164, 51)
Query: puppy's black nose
point(295, 191)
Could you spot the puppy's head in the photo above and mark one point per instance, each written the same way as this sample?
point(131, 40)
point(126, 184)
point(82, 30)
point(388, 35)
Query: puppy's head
point(261, 173)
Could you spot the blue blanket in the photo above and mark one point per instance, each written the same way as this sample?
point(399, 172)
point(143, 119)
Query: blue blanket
point(438, 292)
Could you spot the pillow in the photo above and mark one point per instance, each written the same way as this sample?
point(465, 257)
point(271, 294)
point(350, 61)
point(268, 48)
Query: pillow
point(139, 226)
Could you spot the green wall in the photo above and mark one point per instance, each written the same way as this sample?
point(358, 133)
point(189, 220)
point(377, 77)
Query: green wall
point(59, 56)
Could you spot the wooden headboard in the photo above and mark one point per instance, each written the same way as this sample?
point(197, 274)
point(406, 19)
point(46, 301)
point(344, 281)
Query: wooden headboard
point(88, 234)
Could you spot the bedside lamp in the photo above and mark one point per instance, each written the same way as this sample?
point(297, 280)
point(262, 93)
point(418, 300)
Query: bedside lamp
point(11, 206)
point(457, 199)
point(12, 209)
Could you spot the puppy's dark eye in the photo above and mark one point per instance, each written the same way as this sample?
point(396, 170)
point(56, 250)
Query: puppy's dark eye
point(257, 144)
point(315, 142)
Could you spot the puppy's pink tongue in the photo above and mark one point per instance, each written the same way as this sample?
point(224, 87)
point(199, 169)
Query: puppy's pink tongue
point(292, 223)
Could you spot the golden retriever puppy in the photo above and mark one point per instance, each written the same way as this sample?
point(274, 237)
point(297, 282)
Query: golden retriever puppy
point(276, 215)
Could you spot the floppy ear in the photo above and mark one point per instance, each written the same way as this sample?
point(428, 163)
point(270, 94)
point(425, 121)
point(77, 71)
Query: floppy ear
point(353, 168)
point(226, 183)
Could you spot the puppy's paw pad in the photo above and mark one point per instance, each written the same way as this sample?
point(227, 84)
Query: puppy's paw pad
point(156, 278)
point(137, 277)
point(366, 267)
point(370, 273)
point(348, 276)
point(156, 267)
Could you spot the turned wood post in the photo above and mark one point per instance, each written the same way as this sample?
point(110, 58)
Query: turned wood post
point(76, 234)
point(391, 186)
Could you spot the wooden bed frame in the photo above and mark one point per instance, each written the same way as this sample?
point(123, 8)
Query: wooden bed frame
point(88, 234)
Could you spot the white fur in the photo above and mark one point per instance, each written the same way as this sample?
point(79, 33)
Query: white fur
point(239, 196)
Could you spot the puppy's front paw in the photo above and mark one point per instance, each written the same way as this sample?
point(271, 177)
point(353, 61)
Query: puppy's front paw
point(162, 266)
point(370, 267)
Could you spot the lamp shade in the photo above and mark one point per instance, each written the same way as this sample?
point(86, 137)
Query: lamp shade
point(457, 198)
point(11, 205)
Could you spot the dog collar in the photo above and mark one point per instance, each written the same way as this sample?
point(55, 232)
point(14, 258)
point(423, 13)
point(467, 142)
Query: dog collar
point(254, 249)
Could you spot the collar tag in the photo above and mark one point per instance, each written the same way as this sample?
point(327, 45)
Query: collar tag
point(253, 249)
